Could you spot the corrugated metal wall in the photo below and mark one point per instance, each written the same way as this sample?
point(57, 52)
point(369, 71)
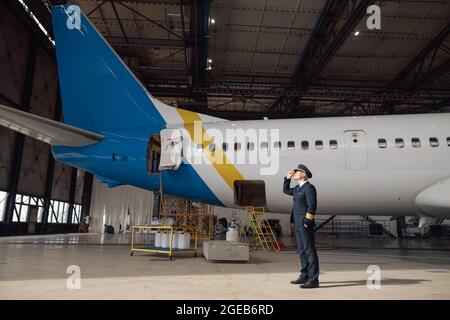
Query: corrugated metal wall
point(21, 63)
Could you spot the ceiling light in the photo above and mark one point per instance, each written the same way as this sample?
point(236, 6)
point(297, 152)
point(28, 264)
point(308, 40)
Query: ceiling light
point(212, 20)
point(356, 33)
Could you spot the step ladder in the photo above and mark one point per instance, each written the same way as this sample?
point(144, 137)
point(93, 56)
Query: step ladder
point(262, 232)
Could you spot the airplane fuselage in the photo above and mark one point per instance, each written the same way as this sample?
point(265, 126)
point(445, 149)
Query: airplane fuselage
point(371, 165)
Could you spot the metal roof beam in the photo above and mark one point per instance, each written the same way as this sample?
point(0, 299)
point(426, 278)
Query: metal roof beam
point(316, 95)
point(430, 76)
point(160, 2)
point(419, 60)
point(144, 42)
point(326, 46)
point(325, 40)
point(418, 73)
point(198, 36)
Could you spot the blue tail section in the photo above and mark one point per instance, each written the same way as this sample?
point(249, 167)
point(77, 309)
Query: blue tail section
point(98, 90)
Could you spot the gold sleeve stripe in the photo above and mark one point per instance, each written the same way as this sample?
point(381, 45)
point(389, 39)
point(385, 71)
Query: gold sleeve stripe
point(309, 216)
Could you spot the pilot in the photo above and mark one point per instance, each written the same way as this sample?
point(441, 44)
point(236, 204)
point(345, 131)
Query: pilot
point(304, 208)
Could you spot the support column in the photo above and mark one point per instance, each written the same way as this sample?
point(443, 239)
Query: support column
point(20, 138)
point(198, 35)
point(51, 165)
point(87, 195)
point(156, 205)
point(73, 188)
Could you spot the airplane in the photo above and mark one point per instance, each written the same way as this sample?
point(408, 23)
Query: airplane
point(392, 165)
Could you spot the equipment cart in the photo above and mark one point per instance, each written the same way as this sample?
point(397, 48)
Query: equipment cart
point(172, 232)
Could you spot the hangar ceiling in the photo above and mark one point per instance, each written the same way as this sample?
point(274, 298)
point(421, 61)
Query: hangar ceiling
point(245, 59)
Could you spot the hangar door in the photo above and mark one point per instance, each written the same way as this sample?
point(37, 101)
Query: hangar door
point(355, 149)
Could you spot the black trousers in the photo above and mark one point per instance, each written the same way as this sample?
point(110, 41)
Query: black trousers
point(307, 251)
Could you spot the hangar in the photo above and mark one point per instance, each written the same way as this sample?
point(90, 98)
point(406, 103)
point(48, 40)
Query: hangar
point(324, 65)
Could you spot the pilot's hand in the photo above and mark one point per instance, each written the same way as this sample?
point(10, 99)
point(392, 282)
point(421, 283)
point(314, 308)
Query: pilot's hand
point(307, 222)
point(290, 174)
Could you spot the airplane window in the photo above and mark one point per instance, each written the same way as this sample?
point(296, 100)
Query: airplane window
point(212, 147)
point(333, 144)
point(291, 145)
point(319, 144)
point(277, 144)
point(200, 147)
point(448, 141)
point(237, 146)
point(415, 142)
point(224, 146)
point(264, 145)
point(382, 143)
point(305, 145)
point(250, 146)
point(399, 143)
point(434, 142)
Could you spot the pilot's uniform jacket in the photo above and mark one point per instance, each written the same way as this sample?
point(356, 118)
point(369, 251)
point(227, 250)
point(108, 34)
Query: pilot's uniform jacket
point(304, 208)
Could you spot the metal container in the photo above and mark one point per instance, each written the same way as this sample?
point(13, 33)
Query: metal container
point(225, 251)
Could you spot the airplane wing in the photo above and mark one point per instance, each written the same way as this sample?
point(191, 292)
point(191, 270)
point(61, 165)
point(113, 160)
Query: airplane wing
point(46, 130)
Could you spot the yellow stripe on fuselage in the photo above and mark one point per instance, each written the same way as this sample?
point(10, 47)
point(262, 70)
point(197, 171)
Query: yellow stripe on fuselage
point(226, 170)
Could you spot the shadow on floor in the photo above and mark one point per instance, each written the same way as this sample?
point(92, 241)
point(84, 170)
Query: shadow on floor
point(384, 282)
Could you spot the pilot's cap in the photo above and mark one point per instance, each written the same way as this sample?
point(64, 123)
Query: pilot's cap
point(304, 168)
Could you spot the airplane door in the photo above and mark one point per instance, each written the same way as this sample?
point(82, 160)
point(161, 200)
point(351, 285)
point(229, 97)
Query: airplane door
point(171, 149)
point(355, 149)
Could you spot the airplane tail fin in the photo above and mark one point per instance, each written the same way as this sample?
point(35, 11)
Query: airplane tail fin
point(98, 90)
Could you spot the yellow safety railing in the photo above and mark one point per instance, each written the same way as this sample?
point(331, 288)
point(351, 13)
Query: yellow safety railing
point(262, 232)
point(171, 232)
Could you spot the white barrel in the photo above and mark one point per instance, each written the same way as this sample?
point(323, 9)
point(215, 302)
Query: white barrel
point(232, 235)
point(165, 240)
point(187, 240)
point(180, 244)
point(184, 240)
point(180, 240)
point(158, 239)
point(175, 240)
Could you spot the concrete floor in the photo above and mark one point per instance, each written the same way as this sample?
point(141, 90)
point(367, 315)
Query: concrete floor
point(34, 267)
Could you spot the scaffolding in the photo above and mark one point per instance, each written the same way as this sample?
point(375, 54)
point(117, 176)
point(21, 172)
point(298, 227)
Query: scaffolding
point(188, 213)
point(261, 233)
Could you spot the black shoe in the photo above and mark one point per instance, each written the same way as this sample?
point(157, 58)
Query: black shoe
point(310, 285)
point(299, 281)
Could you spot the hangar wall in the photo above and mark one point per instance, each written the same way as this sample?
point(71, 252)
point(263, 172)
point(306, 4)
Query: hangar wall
point(29, 176)
point(111, 206)
point(286, 224)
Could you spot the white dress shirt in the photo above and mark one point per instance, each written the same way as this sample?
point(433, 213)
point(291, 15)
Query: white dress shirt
point(302, 183)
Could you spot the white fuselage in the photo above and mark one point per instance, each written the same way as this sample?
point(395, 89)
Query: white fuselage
point(358, 177)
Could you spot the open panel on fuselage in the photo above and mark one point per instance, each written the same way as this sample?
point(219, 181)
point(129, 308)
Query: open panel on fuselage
point(153, 154)
point(250, 193)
